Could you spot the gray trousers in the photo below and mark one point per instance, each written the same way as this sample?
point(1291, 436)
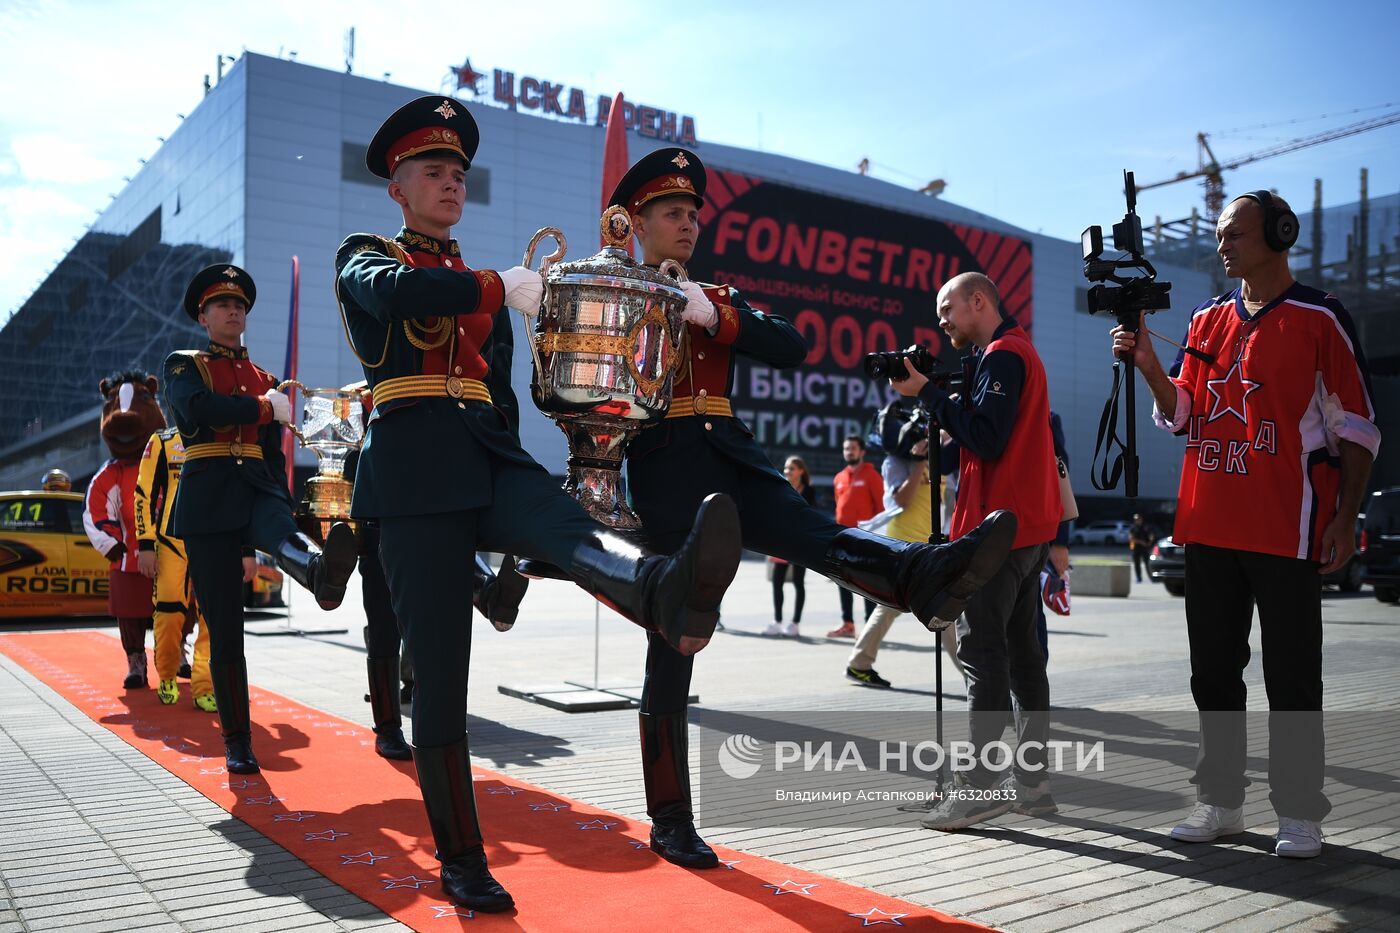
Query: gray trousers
point(1005, 666)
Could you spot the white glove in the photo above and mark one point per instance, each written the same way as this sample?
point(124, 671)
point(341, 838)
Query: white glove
point(524, 288)
point(281, 407)
point(698, 309)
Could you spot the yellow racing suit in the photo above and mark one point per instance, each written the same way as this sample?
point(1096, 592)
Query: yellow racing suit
point(156, 482)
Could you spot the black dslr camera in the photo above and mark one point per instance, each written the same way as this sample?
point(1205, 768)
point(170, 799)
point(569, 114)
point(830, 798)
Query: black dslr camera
point(1128, 295)
point(889, 364)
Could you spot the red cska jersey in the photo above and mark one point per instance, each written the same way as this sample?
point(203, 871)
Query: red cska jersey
point(1262, 424)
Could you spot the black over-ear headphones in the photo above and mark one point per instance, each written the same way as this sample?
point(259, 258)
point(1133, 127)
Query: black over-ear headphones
point(1280, 227)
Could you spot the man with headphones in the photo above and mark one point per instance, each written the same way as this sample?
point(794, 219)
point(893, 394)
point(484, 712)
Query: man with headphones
point(1280, 436)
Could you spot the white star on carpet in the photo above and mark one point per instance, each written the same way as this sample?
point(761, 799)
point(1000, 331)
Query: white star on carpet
point(875, 915)
point(792, 887)
point(294, 817)
point(327, 835)
point(407, 881)
point(366, 857)
point(451, 912)
point(597, 824)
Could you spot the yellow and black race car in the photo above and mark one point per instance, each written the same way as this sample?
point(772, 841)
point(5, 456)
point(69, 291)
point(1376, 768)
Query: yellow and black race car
point(47, 565)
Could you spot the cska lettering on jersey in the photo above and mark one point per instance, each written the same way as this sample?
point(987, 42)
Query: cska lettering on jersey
point(1264, 423)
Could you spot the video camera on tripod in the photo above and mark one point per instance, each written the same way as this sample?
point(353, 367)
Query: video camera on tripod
point(1127, 296)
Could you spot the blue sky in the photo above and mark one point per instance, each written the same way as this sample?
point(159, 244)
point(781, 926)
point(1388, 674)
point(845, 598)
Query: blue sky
point(1028, 111)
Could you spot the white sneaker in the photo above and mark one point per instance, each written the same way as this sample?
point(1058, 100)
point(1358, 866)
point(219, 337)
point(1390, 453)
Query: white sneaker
point(1208, 822)
point(775, 628)
point(1298, 838)
point(790, 630)
point(963, 806)
point(1031, 799)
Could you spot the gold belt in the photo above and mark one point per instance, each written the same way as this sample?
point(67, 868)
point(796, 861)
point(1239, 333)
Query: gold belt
point(235, 449)
point(687, 405)
point(431, 387)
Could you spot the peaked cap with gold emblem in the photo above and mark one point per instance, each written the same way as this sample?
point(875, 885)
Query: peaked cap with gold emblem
point(663, 173)
point(433, 124)
point(219, 281)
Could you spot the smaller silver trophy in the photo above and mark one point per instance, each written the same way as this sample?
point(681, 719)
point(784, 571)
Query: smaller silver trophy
point(332, 425)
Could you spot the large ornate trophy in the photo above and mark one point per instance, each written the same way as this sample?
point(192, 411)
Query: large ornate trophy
point(606, 345)
point(332, 425)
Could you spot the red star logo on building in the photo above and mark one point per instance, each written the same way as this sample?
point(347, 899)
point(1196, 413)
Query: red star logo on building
point(467, 76)
point(1229, 395)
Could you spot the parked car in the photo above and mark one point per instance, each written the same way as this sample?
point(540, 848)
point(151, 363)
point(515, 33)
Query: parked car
point(1166, 564)
point(47, 565)
point(1380, 544)
point(1108, 532)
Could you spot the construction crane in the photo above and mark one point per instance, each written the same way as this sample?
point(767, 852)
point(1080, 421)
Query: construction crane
point(1211, 169)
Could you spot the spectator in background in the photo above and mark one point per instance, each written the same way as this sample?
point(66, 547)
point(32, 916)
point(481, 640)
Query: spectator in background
point(909, 517)
point(1140, 538)
point(797, 474)
point(860, 496)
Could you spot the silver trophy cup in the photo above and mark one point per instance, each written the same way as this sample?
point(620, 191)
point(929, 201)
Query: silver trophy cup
point(332, 425)
point(606, 344)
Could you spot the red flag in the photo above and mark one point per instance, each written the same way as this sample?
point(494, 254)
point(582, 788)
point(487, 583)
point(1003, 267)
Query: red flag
point(615, 160)
point(289, 369)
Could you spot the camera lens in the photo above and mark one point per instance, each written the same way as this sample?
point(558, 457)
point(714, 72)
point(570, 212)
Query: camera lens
point(877, 365)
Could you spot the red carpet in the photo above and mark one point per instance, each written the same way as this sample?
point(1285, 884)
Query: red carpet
point(357, 819)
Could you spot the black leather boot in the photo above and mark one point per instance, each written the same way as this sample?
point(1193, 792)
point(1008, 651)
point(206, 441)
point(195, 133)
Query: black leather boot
point(384, 704)
point(933, 581)
point(666, 773)
point(677, 596)
point(498, 596)
point(323, 570)
point(231, 693)
point(445, 777)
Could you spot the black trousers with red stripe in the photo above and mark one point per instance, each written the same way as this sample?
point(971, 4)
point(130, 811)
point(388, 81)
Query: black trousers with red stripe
point(1223, 587)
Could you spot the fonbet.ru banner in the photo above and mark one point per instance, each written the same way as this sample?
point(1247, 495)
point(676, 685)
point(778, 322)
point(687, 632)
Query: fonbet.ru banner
point(854, 279)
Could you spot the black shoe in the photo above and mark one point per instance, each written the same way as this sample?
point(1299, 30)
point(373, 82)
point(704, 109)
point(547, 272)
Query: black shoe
point(497, 596)
point(933, 581)
point(682, 845)
point(392, 745)
point(677, 596)
point(445, 778)
point(383, 696)
point(980, 554)
point(238, 754)
point(468, 881)
point(323, 570)
point(135, 671)
point(231, 693)
point(868, 678)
